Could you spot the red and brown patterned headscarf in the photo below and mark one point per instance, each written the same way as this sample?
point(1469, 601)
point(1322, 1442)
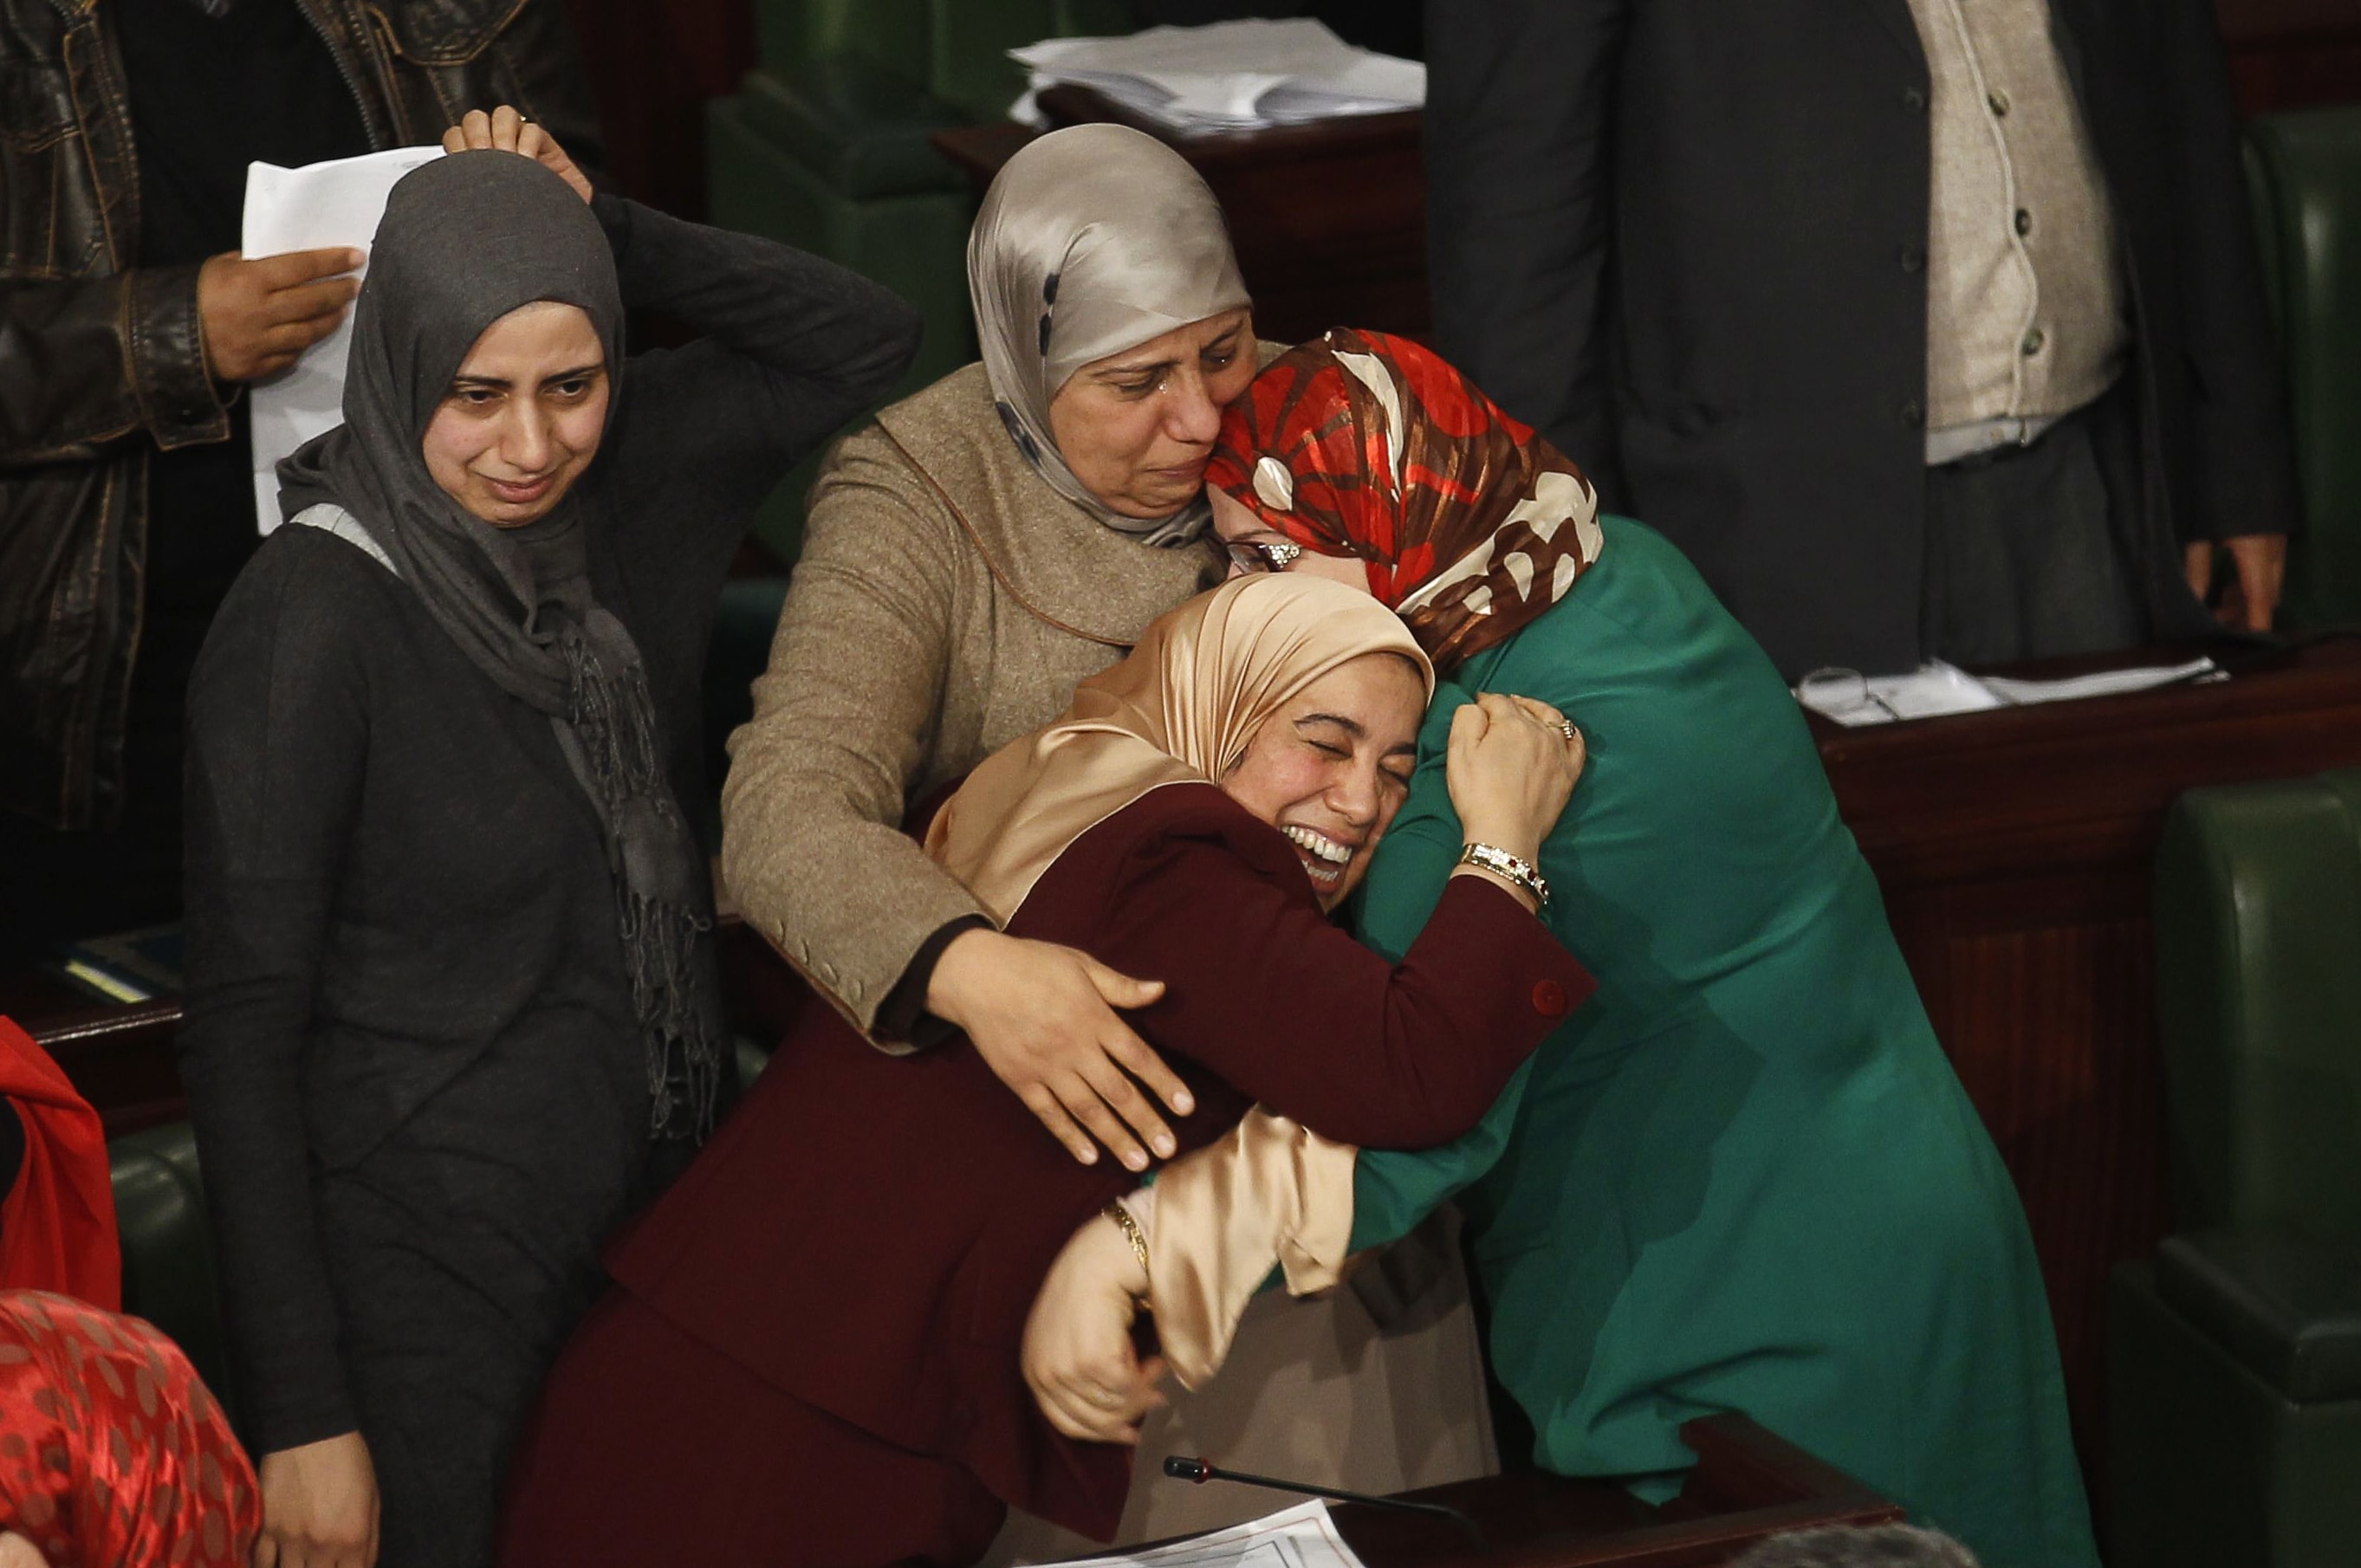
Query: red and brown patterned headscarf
point(1363, 444)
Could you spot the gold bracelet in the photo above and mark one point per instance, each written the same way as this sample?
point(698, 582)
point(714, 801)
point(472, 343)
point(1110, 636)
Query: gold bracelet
point(1501, 863)
point(1132, 1233)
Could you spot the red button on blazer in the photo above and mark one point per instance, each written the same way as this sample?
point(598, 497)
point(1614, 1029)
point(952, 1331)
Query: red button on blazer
point(1549, 999)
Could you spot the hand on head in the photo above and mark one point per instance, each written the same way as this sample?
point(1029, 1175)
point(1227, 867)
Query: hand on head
point(507, 130)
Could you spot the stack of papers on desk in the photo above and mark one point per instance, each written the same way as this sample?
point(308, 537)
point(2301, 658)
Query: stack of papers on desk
point(1227, 76)
point(1936, 688)
point(1301, 1537)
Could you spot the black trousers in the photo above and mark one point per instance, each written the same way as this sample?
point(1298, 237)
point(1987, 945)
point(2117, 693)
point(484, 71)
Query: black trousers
point(2031, 551)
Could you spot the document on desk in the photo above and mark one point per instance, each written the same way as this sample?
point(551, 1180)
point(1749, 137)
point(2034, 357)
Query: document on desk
point(1936, 688)
point(1301, 1536)
point(320, 204)
point(1234, 75)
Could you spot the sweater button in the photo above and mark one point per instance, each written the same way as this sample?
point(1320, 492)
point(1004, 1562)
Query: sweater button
point(1549, 999)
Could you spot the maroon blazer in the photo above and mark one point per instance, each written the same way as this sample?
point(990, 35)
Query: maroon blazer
point(867, 1232)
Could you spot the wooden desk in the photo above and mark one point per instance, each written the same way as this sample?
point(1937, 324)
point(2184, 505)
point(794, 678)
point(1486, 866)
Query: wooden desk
point(2014, 848)
point(1748, 1484)
point(1329, 220)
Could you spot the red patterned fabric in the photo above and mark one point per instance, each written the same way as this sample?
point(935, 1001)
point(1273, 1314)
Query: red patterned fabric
point(1363, 444)
point(112, 1453)
point(57, 1222)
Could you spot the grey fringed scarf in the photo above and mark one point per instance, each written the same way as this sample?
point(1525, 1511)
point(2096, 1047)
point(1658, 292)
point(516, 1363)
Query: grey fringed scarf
point(466, 239)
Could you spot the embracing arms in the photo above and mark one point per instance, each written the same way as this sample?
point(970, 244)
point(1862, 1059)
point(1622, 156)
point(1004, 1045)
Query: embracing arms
point(1272, 1191)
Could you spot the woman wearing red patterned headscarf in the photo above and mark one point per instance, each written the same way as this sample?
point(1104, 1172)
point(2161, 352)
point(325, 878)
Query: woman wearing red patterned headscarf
point(112, 1453)
point(1743, 1177)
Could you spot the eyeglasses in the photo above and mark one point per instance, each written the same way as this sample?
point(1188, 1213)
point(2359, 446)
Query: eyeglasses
point(1263, 555)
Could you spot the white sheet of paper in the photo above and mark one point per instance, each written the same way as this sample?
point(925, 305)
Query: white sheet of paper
point(1936, 688)
point(1235, 74)
point(320, 204)
point(1301, 1537)
point(2106, 683)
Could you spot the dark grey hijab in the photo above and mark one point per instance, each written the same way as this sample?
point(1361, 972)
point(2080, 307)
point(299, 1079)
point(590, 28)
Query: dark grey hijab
point(465, 239)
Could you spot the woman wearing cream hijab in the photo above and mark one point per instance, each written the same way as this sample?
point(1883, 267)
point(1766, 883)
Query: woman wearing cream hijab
point(811, 1352)
point(984, 547)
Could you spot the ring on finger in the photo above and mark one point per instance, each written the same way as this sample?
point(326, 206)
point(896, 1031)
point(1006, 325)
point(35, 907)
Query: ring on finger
point(1566, 728)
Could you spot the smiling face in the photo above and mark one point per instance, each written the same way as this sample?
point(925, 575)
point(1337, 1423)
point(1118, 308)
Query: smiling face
point(1138, 427)
point(523, 416)
point(1248, 537)
point(1329, 768)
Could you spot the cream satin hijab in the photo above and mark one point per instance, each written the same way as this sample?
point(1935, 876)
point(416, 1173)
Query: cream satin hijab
point(1180, 709)
point(1092, 240)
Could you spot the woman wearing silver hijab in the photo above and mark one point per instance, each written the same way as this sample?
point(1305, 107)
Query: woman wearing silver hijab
point(451, 1010)
point(986, 545)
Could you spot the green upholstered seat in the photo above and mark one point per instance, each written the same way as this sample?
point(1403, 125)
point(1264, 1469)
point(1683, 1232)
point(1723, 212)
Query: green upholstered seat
point(2306, 165)
point(826, 147)
point(2234, 1359)
point(168, 1252)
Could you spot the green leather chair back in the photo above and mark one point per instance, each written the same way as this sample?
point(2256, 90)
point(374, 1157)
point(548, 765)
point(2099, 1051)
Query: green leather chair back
point(2309, 183)
point(168, 1252)
point(2259, 948)
point(957, 49)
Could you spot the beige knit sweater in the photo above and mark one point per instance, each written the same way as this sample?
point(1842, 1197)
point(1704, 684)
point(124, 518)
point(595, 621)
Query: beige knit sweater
point(946, 601)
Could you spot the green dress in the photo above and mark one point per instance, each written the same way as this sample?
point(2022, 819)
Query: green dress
point(1743, 1175)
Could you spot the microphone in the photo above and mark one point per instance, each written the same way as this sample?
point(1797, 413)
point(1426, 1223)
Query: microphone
point(1181, 1467)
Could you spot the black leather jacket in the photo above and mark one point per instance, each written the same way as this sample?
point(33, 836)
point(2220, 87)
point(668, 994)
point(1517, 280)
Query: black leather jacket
point(101, 361)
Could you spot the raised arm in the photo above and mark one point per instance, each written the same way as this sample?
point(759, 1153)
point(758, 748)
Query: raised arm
point(791, 347)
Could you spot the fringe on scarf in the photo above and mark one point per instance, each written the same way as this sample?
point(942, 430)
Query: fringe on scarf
point(614, 720)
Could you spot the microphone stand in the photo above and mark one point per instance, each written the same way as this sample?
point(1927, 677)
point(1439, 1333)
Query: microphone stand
point(1181, 1467)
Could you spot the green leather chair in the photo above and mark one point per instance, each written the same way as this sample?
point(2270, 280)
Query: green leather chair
point(2305, 173)
point(168, 1249)
point(2235, 1357)
point(826, 148)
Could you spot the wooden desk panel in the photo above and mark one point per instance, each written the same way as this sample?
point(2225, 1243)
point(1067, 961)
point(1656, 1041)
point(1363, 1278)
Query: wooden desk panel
point(2014, 849)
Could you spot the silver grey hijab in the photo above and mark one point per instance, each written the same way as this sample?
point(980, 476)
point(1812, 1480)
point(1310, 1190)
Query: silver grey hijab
point(1092, 240)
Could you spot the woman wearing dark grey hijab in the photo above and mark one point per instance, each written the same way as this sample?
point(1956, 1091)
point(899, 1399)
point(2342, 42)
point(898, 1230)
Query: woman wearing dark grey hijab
point(451, 1010)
